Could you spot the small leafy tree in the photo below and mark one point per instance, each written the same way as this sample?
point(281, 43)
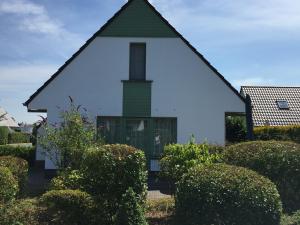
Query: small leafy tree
point(64, 143)
point(179, 158)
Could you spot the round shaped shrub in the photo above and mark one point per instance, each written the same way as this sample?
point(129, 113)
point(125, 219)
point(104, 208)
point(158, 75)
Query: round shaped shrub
point(8, 185)
point(19, 169)
point(277, 160)
point(220, 194)
point(68, 207)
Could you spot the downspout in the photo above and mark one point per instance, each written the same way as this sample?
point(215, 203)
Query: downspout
point(249, 118)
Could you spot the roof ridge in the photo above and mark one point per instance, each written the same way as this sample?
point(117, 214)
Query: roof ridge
point(265, 86)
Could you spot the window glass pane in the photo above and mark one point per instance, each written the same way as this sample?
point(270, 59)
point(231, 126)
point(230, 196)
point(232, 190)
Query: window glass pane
point(110, 130)
point(137, 69)
point(164, 134)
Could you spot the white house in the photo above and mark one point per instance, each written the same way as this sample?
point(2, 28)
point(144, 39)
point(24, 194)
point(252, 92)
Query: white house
point(144, 84)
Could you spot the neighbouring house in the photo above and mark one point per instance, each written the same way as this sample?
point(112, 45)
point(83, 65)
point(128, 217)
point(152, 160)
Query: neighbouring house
point(7, 120)
point(26, 128)
point(143, 83)
point(272, 106)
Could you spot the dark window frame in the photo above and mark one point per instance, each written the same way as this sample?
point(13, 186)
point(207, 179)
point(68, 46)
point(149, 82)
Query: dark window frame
point(283, 104)
point(131, 77)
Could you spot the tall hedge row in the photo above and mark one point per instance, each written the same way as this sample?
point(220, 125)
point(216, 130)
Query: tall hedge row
point(3, 135)
point(18, 137)
point(24, 152)
point(277, 160)
point(285, 133)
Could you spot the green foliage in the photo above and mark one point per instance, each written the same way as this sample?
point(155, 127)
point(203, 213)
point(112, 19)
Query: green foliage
point(4, 135)
point(21, 212)
point(279, 161)
point(164, 206)
point(65, 143)
point(220, 194)
point(130, 211)
point(68, 207)
point(179, 158)
point(236, 128)
point(108, 171)
point(18, 137)
point(19, 169)
point(8, 185)
point(24, 152)
point(293, 219)
point(67, 179)
point(285, 133)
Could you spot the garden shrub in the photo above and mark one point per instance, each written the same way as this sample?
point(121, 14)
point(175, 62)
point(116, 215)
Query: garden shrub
point(109, 171)
point(64, 143)
point(285, 133)
point(19, 169)
point(8, 185)
point(221, 194)
point(24, 152)
point(4, 135)
point(177, 159)
point(67, 179)
point(279, 161)
point(161, 207)
point(68, 207)
point(293, 219)
point(236, 128)
point(20, 212)
point(18, 137)
point(130, 211)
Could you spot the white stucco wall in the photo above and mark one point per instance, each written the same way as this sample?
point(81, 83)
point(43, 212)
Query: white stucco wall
point(183, 86)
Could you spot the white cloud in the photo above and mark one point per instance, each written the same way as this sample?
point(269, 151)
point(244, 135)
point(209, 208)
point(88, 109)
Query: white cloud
point(230, 15)
point(29, 76)
point(33, 17)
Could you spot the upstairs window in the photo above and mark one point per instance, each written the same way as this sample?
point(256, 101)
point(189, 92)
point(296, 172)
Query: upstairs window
point(137, 67)
point(283, 104)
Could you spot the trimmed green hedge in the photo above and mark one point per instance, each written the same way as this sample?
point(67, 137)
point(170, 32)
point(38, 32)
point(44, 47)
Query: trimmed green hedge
point(108, 172)
point(20, 212)
point(293, 219)
point(4, 135)
point(221, 194)
point(279, 161)
point(19, 168)
point(18, 137)
point(284, 133)
point(68, 207)
point(8, 185)
point(24, 152)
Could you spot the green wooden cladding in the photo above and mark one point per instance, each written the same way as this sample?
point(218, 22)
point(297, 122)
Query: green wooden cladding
point(137, 99)
point(138, 20)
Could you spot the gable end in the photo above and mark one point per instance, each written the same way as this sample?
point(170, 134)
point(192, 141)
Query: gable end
point(106, 31)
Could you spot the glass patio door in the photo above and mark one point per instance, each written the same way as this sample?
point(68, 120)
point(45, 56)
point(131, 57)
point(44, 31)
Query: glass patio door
point(137, 133)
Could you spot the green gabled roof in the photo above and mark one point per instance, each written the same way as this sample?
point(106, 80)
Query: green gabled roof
point(138, 19)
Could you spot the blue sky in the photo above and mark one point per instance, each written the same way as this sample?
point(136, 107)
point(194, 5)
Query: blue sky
point(251, 42)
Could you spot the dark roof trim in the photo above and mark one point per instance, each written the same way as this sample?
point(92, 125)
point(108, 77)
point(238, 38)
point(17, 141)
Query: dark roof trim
point(254, 86)
point(37, 110)
point(107, 24)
